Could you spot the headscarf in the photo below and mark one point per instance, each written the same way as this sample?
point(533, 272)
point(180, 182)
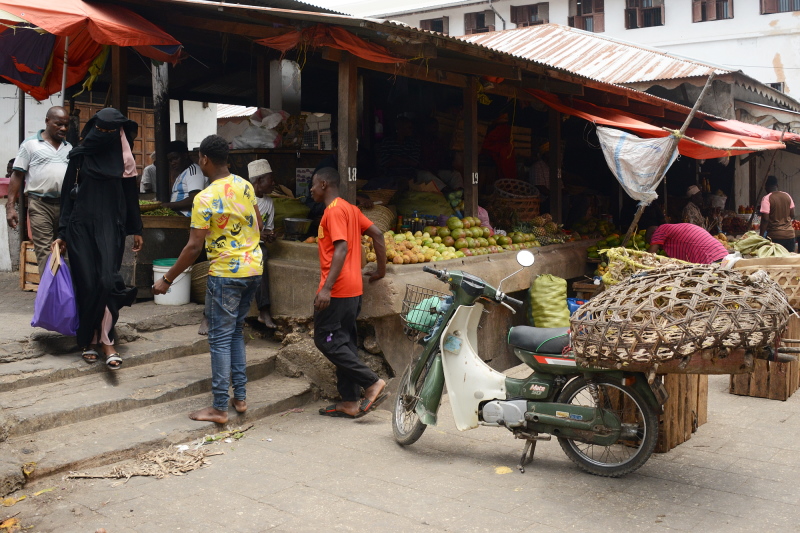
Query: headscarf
point(102, 152)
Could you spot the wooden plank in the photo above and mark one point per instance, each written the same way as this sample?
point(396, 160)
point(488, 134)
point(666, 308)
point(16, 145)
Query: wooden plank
point(690, 418)
point(119, 79)
point(702, 400)
point(478, 68)
point(30, 287)
point(794, 376)
point(30, 256)
point(778, 385)
point(758, 385)
point(21, 266)
point(471, 148)
point(348, 121)
point(33, 277)
point(177, 222)
point(31, 268)
point(681, 415)
point(740, 384)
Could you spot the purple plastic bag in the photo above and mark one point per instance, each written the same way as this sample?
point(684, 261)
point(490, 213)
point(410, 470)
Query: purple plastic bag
point(55, 308)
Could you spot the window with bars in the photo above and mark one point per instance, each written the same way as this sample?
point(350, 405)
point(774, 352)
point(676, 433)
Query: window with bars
point(588, 15)
point(779, 6)
point(441, 25)
point(478, 22)
point(644, 13)
point(530, 15)
point(705, 10)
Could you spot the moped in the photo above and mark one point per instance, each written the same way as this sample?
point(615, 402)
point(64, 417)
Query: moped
point(606, 421)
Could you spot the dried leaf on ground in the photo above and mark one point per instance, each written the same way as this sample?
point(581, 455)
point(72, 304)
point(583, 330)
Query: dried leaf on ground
point(8, 502)
point(28, 469)
point(235, 434)
point(39, 493)
point(290, 411)
point(158, 464)
point(10, 525)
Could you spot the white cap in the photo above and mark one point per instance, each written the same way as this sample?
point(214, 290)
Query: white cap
point(258, 168)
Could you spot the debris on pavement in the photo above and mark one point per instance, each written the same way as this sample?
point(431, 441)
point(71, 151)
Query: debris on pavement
point(226, 436)
point(158, 464)
point(8, 502)
point(295, 410)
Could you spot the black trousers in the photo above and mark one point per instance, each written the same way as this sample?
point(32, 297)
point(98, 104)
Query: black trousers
point(262, 294)
point(335, 335)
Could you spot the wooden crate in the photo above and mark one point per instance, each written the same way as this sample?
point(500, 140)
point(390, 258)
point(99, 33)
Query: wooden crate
point(776, 381)
point(28, 268)
point(685, 410)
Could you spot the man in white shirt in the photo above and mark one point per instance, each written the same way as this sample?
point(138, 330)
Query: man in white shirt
point(40, 165)
point(148, 183)
point(260, 173)
point(189, 182)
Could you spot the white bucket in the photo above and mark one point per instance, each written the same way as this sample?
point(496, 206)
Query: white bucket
point(178, 293)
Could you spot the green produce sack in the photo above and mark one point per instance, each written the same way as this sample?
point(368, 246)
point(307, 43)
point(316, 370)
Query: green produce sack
point(420, 316)
point(424, 203)
point(289, 208)
point(549, 302)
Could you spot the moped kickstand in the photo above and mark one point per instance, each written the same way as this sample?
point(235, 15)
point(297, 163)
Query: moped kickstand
point(530, 444)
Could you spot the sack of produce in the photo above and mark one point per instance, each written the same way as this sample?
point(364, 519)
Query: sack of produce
point(549, 302)
point(288, 208)
point(674, 313)
point(429, 203)
point(750, 243)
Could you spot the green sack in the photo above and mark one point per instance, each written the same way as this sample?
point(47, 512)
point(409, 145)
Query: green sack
point(549, 309)
point(424, 203)
point(420, 316)
point(289, 208)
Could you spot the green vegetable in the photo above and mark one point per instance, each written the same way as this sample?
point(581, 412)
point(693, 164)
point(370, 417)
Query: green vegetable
point(160, 212)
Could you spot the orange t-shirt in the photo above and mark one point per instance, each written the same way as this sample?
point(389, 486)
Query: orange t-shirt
point(342, 221)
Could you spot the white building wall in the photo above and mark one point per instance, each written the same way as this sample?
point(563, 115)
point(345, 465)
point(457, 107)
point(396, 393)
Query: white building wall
point(765, 47)
point(35, 112)
point(201, 119)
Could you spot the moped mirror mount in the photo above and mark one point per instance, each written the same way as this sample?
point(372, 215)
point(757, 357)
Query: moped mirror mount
point(525, 258)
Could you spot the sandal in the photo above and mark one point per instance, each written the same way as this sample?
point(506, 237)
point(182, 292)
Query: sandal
point(90, 356)
point(113, 361)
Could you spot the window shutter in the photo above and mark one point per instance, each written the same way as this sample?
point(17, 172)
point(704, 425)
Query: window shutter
point(446, 25)
point(469, 22)
point(488, 17)
point(425, 25)
point(640, 18)
point(663, 20)
point(514, 15)
point(571, 22)
point(711, 10)
point(769, 7)
point(573, 9)
point(543, 12)
point(598, 6)
point(697, 11)
point(599, 22)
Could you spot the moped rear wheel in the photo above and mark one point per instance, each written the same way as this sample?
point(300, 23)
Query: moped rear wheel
point(637, 438)
point(406, 425)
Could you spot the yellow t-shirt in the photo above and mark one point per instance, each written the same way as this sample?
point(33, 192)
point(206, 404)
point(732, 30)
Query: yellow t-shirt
point(225, 208)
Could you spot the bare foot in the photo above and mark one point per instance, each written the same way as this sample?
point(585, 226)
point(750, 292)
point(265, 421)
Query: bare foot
point(203, 329)
point(240, 406)
point(209, 414)
point(265, 318)
point(350, 408)
point(374, 390)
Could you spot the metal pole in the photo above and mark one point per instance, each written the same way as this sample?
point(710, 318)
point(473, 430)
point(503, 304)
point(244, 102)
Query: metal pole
point(23, 209)
point(672, 146)
point(64, 73)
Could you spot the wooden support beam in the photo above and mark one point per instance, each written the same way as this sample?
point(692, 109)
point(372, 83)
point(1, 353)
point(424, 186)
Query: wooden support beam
point(556, 199)
point(347, 121)
point(477, 68)
point(262, 81)
point(642, 108)
point(421, 50)
point(551, 85)
point(408, 70)
point(256, 31)
point(161, 129)
point(471, 147)
point(119, 79)
point(605, 98)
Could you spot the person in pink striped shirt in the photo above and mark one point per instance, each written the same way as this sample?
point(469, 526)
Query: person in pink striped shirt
point(687, 242)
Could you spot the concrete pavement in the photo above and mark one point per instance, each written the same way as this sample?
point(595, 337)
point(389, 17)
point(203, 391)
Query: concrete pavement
point(302, 472)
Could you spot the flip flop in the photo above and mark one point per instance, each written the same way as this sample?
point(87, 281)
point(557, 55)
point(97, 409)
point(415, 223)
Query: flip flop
point(332, 412)
point(113, 358)
point(90, 356)
point(367, 406)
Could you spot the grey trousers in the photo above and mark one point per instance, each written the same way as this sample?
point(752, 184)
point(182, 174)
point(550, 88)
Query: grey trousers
point(44, 227)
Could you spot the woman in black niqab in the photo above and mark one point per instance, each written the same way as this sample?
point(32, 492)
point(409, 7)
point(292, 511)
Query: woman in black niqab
point(99, 208)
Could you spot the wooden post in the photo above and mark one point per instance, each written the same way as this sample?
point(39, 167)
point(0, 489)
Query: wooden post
point(347, 134)
point(471, 147)
point(662, 170)
point(556, 196)
point(262, 81)
point(762, 189)
point(119, 79)
point(23, 208)
point(161, 123)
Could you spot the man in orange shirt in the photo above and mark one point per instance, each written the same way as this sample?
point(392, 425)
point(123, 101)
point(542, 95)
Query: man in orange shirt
point(338, 299)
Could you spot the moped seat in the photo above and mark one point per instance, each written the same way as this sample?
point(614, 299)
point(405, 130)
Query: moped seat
point(539, 340)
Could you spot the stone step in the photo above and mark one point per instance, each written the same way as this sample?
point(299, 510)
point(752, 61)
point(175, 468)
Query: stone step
point(56, 404)
point(108, 439)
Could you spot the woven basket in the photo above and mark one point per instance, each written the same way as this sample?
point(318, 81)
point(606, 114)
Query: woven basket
point(675, 313)
point(380, 216)
point(623, 263)
point(785, 271)
point(502, 211)
point(514, 189)
point(199, 279)
point(384, 196)
point(144, 208)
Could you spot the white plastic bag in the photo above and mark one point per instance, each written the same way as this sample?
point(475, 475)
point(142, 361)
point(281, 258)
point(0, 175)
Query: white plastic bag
point(261, 131)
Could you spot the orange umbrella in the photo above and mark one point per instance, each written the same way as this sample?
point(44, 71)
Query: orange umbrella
point(41, 33)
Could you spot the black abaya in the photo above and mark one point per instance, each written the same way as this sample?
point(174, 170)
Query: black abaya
point(94, 226)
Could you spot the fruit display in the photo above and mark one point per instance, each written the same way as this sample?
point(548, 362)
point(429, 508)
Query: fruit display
point(456, 199)
point(796, 224)
point(543, 229)
point(594, 227)
point(459, 238)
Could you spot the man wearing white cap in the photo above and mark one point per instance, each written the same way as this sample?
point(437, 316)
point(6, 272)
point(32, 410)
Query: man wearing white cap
point(691, 213)
point(260, 173)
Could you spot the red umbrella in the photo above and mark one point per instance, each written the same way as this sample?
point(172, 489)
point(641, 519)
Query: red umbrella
point(33, 48)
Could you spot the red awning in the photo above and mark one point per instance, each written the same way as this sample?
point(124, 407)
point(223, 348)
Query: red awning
point(332, 37)
point(630, 122)
point(88, 26)
point(752, 130)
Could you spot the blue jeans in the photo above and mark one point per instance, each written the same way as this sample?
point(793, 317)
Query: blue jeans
point(227, 303)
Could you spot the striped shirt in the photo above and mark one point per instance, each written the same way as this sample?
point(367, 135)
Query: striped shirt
point(688, 242)
point(190, 180)
point(44, 166)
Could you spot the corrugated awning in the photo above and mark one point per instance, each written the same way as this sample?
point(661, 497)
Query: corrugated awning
point(739, 143)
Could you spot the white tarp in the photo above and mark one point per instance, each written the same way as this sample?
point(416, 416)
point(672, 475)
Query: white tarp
point(635, 161)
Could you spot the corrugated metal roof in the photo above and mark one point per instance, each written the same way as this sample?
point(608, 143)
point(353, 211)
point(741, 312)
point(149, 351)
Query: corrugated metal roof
point(594, 56)
point(234, 111)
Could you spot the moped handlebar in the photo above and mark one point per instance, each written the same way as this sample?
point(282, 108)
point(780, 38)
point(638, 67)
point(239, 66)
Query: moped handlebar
point(438, 273)
point(513, 301)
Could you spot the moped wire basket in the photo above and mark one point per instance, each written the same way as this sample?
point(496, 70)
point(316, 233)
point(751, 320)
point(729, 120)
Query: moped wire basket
point(420, 309)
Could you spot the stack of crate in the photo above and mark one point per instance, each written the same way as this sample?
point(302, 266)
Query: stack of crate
point(28, 268)
point(685, 410)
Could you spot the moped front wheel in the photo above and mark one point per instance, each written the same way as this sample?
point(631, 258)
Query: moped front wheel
point(406, 425)
point(637, 438)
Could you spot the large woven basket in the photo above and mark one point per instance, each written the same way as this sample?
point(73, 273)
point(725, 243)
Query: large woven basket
point(514, 189)
point(199, 280)
point(504, 211)
point(673, 313)
point(381, 216)
point(384, 196)
point(144, 208)
point(785, 271)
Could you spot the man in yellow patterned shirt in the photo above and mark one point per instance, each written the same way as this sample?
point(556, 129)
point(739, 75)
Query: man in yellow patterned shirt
point(226, 220)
